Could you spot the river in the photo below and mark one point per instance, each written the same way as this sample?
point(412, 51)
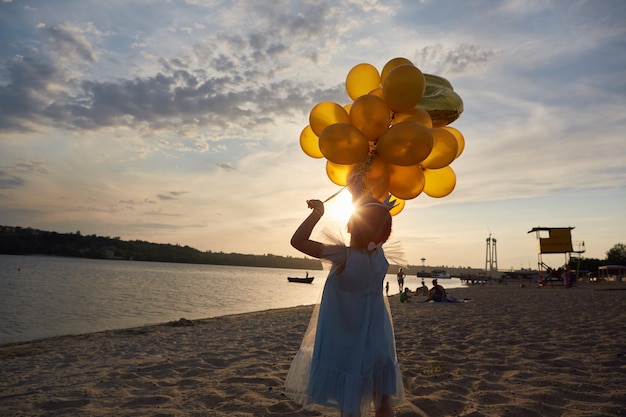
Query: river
point(43, 296)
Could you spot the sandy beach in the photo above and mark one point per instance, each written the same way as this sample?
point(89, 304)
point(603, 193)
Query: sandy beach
point(511, 351)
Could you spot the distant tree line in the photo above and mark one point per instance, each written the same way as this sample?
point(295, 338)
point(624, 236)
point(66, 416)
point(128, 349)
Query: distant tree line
point(29, 241)
point(614, 256)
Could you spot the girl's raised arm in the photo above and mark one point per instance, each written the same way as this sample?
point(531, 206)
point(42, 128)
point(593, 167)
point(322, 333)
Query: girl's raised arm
point(301, 238)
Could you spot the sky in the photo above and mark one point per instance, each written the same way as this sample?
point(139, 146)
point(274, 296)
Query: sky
point(179, 121)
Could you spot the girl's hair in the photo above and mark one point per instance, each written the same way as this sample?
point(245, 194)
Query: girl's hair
point(370, 222)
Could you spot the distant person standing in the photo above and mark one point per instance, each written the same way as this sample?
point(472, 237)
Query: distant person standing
point(401, 276)
point(387, 288)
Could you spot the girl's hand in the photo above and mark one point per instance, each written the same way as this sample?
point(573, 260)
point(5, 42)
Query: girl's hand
point(316, 205)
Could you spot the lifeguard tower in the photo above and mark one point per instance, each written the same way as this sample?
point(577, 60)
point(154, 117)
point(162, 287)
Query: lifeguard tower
point(556, 241)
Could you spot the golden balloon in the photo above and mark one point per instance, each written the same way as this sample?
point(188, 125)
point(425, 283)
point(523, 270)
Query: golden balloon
point(405, 144)
point(391, 64)
point(445, 147)
point(403, 88)
point(370, 115)
point(377, 92)
point(338, 174)
point(344, 144)
point(459, 139)
point(362, 79)
point(325, 114)
point(439, 182)
point(414, 114)
point(406, 182)
point(309, 142)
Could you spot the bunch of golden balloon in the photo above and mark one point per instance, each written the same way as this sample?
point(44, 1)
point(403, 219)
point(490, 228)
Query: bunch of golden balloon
point(393, 138)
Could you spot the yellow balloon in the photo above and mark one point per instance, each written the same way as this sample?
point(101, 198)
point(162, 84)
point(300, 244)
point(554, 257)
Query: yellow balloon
point(310, 144)
point(338, 174)
point(406, 182)
point(362, 79)
point(403, 88)
point(389, 66)
point(459, 138)
point(325, 114)
point(377, 92)
point(445, 147)
point(344, 144)
point(405, 144)
point(413, 115)
point(439, 182)
point(370, 115)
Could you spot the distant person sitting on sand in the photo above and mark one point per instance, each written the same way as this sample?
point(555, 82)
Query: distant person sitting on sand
point(437, 293)
point(423, 290)
point(405, 296)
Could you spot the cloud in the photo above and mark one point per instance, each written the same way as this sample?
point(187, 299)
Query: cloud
point(70, 44)
point(173, 99)
point(458, 59)
point(165, 197)
point(226, 167)
point(36, 167)
point(160, 213)
point(172, 195)
point(20, 169)
point(10, 181)
point(25, 95)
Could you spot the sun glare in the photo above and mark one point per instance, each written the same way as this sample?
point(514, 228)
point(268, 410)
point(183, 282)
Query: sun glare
point(340, 207)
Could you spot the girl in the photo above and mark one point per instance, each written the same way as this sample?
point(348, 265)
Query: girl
point(348, 358)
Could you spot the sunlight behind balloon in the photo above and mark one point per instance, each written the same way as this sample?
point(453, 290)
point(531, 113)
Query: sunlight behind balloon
point(340, 207)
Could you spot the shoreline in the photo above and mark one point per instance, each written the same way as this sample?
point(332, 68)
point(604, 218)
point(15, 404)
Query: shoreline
point(29, 319)
point(509, 351)
point(181, 322)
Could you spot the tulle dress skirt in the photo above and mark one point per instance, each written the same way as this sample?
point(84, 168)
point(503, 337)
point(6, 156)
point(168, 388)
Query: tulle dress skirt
point(347, 359)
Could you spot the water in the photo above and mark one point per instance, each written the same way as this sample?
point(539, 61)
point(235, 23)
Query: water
point(52, 296)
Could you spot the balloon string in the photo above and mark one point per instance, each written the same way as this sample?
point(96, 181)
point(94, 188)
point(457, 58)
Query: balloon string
point(362, 168)
point(335, 195)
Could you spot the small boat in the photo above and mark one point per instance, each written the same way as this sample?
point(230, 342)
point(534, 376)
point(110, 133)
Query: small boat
point(439, 273)
point(305, 280)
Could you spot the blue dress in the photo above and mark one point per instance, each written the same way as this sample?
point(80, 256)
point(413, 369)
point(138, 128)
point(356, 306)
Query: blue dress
point(347, 358)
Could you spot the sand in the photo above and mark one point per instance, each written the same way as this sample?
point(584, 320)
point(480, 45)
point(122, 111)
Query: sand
point(511, 351)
